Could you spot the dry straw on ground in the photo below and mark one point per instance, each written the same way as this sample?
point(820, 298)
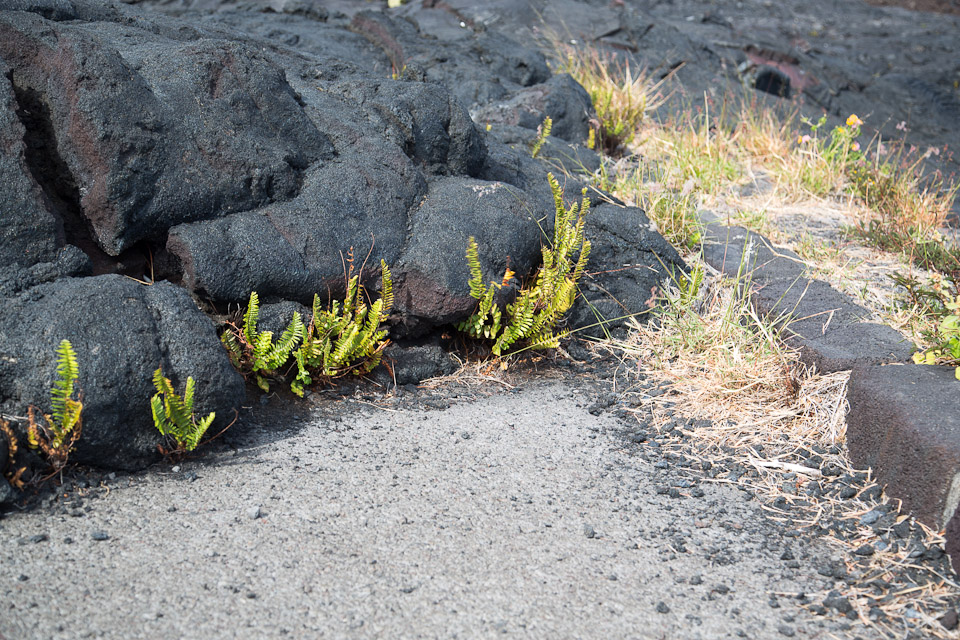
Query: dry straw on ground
point(757, 408)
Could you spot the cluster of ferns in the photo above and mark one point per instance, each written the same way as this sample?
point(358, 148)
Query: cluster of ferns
point(532, 317)
point(347, 337)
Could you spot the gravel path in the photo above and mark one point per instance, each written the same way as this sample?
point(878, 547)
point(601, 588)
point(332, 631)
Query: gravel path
point(520, 513)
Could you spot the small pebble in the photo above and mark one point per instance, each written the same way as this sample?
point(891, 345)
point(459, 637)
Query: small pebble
point(254, 512)
point(589, 531)
point(949, 620)
point(786, 630)
point(100, 535)
point(865, 550)
point(662, 607)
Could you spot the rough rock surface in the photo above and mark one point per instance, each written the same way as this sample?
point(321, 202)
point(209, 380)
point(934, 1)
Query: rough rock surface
point(891, 64)
point(903, 424)
point(232, 147)
point(122, 331)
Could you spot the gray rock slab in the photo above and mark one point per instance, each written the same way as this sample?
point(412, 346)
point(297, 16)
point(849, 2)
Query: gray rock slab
point(736, 251)
point(904, 425)
point(832, 332)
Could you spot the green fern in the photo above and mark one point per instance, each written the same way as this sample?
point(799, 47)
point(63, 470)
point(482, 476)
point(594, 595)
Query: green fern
point(345, 338)
point(255, 352)
point(63, 425)
point(173, 416)
point(543, 132)
point(534, 314)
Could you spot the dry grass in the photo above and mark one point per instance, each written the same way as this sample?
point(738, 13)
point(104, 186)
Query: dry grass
point(622, 96)
point(697, 148)
point(757, 407)
point(646, 186)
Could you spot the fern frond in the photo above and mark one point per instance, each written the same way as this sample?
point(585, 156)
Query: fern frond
point(199, 430)
point(262, 348)
point(188, 396)
point(582, 261)
point(546, 340)
point(67, 373)
point(386, 291)
point(543, 132)
point(159, 415)
point(232, 344)
point(353, 293)
point(63, 425)
point(70, 421)
point(250, 318)
point(538, 307)
point(477, 288)
point(343, 348)
point(279, 353)
point(521, 320)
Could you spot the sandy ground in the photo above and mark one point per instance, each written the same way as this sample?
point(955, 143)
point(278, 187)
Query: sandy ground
point(520, 513)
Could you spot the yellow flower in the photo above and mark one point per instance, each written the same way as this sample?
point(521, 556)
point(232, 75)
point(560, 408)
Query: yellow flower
point(854, 121)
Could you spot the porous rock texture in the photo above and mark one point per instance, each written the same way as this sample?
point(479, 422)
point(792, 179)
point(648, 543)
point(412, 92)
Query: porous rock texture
point(209, 149)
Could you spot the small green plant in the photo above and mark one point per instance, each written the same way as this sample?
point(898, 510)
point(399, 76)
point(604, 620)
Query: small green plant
point(621, 96)
point(536, 310)
point(174, 418)
point(700, 150)
point(255, 351)
point(56, 438)
point(543, 132)
point(689, 284)
point(947, 348)
point(345, 338)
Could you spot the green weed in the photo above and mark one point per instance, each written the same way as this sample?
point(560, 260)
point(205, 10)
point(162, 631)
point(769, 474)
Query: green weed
point(532, 317)
point(621, 96)
point(543, 132)
point(174, 418)
point(345, 338)
point(57, 437)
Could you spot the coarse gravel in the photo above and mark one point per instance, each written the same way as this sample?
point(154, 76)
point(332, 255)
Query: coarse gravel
point(524, 512)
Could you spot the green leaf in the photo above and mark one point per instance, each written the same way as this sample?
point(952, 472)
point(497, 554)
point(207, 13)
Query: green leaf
point(67, 373)
point(250, 318)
